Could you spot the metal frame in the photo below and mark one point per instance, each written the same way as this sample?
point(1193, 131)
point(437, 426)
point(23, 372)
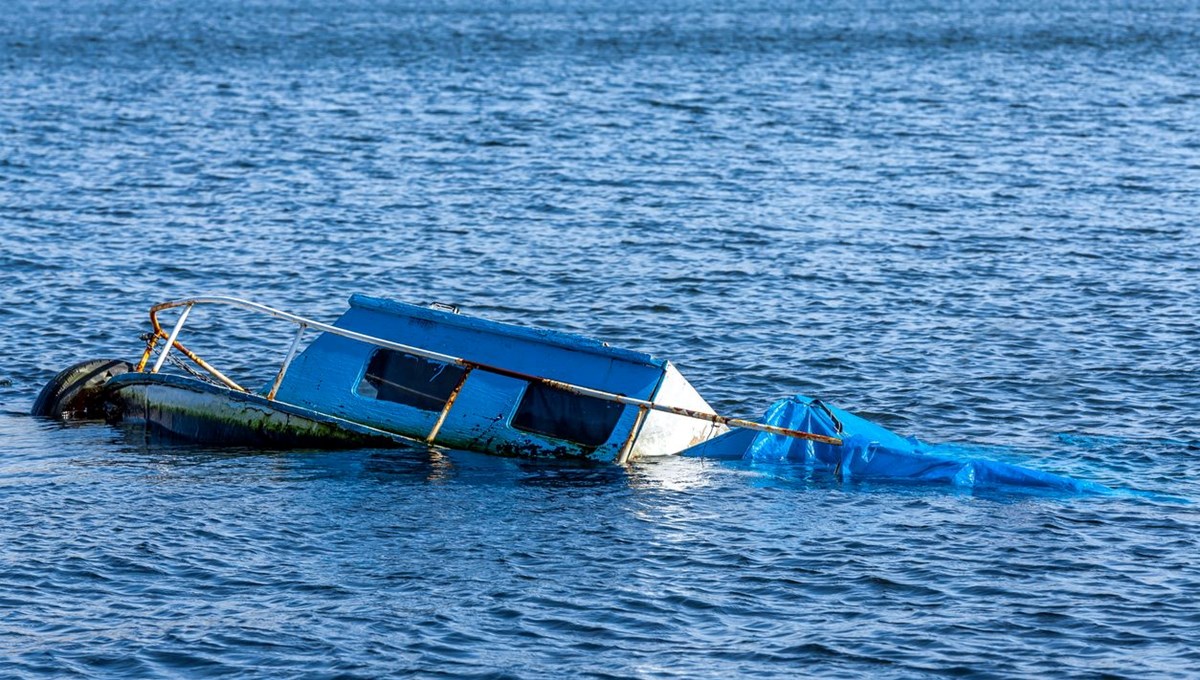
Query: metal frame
point(304, 324)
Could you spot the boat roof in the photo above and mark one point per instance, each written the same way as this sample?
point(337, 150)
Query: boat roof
point(569, 341)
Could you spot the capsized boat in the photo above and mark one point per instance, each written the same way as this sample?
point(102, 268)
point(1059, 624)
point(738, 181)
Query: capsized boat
point(388, 373)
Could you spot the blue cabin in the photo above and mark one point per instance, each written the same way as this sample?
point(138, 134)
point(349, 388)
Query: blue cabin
point(400, 392)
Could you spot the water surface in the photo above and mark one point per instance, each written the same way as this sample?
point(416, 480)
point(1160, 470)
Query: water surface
point(974, 224)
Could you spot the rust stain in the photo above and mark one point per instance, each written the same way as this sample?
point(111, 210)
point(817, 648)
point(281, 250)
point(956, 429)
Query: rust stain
point(158, 331)
point(151, 342)
point(446, 409)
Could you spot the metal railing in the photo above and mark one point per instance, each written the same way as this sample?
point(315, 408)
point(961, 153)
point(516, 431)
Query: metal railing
point(304, 324)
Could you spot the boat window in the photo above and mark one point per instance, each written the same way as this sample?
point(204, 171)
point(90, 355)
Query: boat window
point(409, 380)
point(565, 415)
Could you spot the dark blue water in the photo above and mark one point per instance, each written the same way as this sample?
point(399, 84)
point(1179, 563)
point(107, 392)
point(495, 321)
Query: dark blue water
point(977, 224)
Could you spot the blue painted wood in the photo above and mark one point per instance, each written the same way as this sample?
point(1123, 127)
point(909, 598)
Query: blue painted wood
point(386, 312)
point(549, 354)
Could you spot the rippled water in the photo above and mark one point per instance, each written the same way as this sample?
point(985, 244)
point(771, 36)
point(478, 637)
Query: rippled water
point(975, 224)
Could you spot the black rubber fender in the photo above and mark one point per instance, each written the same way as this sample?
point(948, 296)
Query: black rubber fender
point(78, 391)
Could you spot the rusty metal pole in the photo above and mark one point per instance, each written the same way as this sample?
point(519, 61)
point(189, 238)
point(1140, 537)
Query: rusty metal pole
point(627, 447)
point(171, 339)
point(437, 427)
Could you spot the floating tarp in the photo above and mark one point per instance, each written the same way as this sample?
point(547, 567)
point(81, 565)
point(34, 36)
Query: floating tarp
point(870, 452)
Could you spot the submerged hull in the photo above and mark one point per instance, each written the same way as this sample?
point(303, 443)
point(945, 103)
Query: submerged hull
point(195, 411)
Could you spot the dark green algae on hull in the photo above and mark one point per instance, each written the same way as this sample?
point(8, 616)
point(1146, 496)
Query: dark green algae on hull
point(195, 411)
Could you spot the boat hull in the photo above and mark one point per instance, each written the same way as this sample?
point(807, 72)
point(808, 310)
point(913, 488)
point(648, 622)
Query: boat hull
point(195, 411)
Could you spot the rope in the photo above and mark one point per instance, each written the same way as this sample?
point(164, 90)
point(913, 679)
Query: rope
point(173, 358)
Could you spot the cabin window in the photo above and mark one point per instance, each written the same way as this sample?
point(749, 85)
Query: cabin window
point(565, 415)
point(409, 380)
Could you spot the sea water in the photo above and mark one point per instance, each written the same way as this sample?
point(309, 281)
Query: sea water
point(972, 222)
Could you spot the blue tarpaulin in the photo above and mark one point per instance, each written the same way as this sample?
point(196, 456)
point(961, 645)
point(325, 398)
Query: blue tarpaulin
point(872, 452)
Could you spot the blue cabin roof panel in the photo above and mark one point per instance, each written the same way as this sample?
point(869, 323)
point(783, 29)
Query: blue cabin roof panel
point(539, 336)
point(548, 354)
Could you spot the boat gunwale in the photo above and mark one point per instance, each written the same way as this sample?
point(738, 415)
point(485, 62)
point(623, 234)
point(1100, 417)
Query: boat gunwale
point(258, 401)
